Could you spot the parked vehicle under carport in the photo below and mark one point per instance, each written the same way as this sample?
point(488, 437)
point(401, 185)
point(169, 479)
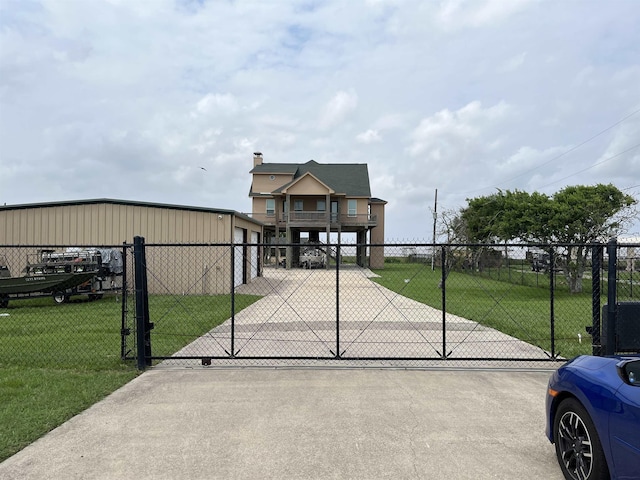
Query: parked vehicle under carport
point(313, 257)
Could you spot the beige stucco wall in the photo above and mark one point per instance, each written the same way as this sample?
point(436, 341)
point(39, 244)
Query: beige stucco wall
point(259, 210)
point(307, 185)
point(362, 206)
point(376, 234)
point(262, 183)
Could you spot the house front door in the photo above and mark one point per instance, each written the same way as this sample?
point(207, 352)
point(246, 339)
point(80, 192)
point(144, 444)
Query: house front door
point(334, 211)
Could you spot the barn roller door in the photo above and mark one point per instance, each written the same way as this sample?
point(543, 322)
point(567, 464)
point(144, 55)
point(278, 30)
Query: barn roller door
point(254, 254)
point(239, 262)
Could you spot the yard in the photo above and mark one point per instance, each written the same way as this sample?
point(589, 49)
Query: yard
point(499, 300)
point(57, 360)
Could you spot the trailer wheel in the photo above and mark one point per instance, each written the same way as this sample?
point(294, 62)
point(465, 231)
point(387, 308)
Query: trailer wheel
point(4, 302)
point(60, 297)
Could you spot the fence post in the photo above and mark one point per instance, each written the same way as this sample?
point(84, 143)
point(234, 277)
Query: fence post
point(125, 331)
point(612, 306)
point(233, 299)
point(594, 330)
point(338, 252)
point(444, 303)
point(143, 325)
point(552, 300)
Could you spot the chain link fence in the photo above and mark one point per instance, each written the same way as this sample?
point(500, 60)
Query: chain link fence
point(64, 306)
point(430, 306)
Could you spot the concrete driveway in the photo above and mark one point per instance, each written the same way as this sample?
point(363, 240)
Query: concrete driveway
point(297, 317)
point(184, 421)
point(252, 423)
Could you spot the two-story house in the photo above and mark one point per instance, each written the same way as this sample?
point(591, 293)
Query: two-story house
point(312, 198)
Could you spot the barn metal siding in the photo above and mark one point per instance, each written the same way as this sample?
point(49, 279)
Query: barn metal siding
point(96, 223)
point(109, 224)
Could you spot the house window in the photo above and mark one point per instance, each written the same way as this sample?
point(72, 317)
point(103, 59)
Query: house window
point(298, 205)
point(352, 208)
point(271, 207)
point(322, 206)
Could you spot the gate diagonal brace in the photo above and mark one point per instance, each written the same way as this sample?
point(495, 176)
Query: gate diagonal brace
point(284, 302)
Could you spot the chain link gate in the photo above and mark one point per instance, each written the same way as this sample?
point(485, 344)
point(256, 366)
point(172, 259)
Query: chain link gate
point(429, 306)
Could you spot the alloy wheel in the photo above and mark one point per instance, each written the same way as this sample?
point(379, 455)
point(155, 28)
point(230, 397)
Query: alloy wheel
point(575, 446)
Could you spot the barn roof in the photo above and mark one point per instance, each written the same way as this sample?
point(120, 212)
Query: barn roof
point(111, 201)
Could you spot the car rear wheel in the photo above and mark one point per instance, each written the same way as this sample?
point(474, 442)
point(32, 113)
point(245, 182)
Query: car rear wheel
point(578, 446)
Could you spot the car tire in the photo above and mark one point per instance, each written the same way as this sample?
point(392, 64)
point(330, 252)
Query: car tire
point(578, 446)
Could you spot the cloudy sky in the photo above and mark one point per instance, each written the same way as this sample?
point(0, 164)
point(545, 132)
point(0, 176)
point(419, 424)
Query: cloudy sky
point(128, 99)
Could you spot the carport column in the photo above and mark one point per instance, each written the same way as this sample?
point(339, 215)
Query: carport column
point(279, 215)
point(275, 241)
point(360, 241)
point(286, 219)
point(327, 210)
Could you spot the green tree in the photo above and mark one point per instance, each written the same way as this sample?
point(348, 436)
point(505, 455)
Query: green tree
point(574, 217)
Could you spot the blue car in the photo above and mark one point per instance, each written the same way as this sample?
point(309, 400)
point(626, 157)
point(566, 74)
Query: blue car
point(593, 417)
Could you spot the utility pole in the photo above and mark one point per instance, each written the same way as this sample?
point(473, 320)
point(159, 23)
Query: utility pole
point(435, 218)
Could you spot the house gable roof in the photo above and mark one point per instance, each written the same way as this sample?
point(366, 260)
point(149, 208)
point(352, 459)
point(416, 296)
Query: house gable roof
point(351, 179)
point(307, 175)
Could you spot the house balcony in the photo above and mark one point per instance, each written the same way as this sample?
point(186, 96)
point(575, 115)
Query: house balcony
point(311, 219)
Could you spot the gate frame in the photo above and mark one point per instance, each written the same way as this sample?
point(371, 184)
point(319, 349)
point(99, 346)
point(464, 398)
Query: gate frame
point(144, 325)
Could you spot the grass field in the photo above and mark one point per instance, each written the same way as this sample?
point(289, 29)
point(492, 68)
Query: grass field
point(518, 310)
point(57, 360)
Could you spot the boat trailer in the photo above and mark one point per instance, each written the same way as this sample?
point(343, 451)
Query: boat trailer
point(90, 272)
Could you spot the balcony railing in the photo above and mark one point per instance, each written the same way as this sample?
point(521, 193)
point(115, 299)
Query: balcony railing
point(311, 218)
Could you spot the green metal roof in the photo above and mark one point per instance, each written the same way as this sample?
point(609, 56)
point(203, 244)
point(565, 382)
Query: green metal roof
point(275, 168)
point(351, 179)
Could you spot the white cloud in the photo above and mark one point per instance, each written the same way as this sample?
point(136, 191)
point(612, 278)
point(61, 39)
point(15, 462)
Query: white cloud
point(461, 95)
point(514, 63)
point(455, 14)
point(448, 136)
point(370, 136)
point(337, 109)
point(217, 103)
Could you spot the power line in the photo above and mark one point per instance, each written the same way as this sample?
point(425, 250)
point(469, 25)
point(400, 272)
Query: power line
point(562, 154)
point(594, 165)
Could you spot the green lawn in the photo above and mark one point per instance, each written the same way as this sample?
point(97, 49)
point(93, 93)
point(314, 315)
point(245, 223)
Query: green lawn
point(518, 310)
point(57, 360)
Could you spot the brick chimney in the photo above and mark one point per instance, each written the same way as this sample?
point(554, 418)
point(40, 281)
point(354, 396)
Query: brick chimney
point(257, 159)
